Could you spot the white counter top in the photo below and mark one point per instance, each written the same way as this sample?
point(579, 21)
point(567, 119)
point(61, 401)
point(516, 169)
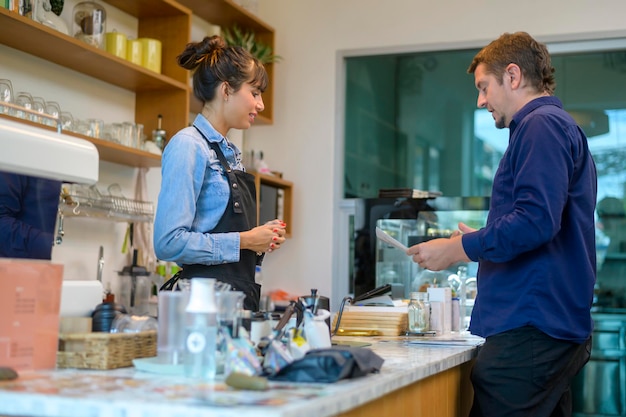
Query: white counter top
point(130, 393)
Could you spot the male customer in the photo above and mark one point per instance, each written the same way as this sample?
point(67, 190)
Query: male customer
point(536, 253)
point(28, 212)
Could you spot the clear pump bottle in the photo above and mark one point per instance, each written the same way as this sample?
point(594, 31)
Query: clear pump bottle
point(201, 334)
point(419, 313)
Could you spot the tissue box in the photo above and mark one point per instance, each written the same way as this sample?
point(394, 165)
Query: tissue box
point(29, 306)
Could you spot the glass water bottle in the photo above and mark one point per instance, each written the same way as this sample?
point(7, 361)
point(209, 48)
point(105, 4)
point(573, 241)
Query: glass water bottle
point(419, 313)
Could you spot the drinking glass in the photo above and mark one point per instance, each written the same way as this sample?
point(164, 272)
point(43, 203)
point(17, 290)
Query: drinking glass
point(139, 136)
point(171, 326)
point(229, 305)
point(81, 127)
point(25, 100)
point(112, 132)
point(67, 121)
point(127, 323)
point(52, 109)
point(39, 105)
point(129, 133)
point(96, 126)
point(6, 95)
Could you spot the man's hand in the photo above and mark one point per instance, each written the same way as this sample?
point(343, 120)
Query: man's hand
point(438, 254)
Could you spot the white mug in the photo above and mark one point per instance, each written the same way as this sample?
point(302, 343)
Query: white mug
point(316, 330)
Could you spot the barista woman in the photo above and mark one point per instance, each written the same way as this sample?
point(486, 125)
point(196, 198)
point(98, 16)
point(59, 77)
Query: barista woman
point(206, 213)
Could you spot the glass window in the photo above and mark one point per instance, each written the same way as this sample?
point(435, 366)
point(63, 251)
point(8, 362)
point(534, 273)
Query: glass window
point(411, 121)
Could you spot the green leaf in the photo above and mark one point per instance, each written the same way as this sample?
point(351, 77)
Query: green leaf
point(57, 6)
point(236, 36)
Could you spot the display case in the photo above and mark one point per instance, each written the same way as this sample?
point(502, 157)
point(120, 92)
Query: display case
point(599, 389)
point(410, 221)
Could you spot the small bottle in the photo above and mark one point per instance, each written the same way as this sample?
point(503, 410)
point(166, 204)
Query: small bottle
point(201, 335)
point(419, 313)
point(159, 136)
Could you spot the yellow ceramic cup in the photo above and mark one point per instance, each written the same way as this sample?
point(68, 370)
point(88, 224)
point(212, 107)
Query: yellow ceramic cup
point(133, 51)
point(116, 44)
point(151, 54)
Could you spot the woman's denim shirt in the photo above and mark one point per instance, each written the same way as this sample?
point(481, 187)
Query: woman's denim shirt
point(194, 194)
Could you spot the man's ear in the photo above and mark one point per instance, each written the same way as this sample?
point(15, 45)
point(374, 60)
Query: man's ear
point(513, 75)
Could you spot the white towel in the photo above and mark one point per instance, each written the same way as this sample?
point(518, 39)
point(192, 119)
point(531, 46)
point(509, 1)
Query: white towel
point(142, 239)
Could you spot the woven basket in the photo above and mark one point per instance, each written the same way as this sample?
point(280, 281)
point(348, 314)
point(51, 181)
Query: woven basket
point(104, 350)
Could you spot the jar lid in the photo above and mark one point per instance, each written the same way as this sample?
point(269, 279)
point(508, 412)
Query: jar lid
point(419, 296)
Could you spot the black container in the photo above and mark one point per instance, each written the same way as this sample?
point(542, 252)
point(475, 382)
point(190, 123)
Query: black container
point(104, 314)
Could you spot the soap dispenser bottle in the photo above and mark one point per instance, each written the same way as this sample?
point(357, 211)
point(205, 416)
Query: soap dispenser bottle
point(201, 334)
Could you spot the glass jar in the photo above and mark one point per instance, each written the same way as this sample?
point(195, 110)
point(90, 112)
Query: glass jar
point(89, 23)
point(419, 313)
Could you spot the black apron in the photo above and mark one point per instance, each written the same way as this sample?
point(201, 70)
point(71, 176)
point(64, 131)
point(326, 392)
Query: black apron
point(239, 216)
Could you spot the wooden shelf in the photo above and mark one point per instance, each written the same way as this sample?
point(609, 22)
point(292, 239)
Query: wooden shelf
point(166, 93)
point(108, 151)
point(38, 40)
point(143, 9)
point(226, 14)
point(120, 154)
point(276, 182)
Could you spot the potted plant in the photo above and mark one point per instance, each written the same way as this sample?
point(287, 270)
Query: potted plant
point(247, 39)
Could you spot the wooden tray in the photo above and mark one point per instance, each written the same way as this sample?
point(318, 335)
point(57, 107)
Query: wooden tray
point(384, 324)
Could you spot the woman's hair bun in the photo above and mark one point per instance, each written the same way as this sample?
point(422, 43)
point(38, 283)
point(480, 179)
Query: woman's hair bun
point(195, 53)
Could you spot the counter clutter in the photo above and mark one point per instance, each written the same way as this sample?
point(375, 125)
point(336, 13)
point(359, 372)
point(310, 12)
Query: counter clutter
point(124, 392)
point(191, 371)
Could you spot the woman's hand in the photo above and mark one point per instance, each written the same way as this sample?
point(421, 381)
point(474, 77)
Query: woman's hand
point(265, 238)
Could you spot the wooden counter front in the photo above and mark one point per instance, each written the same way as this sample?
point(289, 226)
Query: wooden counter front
point(446, 394)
